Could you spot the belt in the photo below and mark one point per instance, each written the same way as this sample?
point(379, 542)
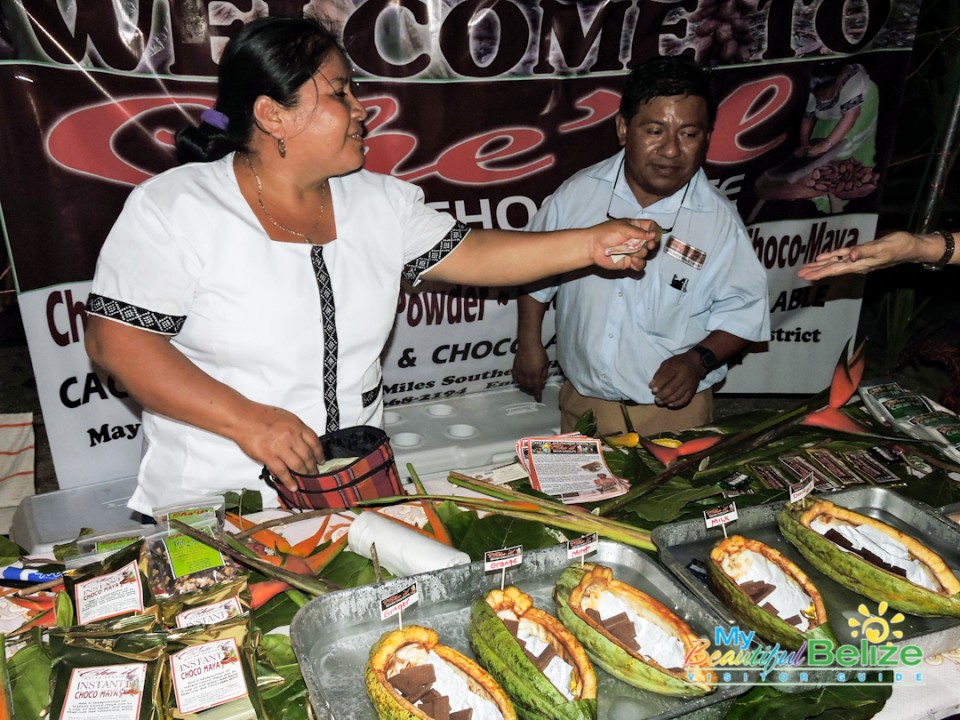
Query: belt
point(630, 403)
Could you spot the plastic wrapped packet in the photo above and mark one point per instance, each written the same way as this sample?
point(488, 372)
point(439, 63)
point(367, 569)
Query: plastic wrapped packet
point(211, 672)
point(110, 588)
point(112, 670)
point(217, 603)
point(176, 563)
point(96, 548)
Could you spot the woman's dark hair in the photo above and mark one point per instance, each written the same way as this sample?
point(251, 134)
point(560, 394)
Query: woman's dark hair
point(663, 77)
point(271, 56)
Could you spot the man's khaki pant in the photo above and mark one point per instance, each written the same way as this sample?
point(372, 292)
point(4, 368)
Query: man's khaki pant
point(647, 419)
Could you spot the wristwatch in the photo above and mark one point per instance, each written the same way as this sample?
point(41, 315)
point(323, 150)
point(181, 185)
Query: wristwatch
point(948, 248)
point(707, 357)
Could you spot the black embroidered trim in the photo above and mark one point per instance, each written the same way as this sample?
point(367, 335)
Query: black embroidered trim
point(416, 267)
point(370, 396)
point(331, 346)
point(133, 315)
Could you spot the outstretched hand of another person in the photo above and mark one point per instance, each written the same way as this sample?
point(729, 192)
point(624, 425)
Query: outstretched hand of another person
point(624, 244)
point(893, 249)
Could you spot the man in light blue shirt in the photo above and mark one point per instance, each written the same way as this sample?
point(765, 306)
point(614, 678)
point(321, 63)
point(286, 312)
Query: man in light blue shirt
point(658, 341)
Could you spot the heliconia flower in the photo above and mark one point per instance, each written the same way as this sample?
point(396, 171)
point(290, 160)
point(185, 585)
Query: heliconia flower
point(667, 455)
point(846, 377)
point(834, 419)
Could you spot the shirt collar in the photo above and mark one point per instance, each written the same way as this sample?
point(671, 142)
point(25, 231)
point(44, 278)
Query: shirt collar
point(611, 171)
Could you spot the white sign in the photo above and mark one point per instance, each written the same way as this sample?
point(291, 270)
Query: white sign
point(503, 558)
point(390, 606)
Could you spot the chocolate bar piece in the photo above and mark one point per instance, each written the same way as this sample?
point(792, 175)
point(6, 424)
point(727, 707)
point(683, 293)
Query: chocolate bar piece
point(770, 609)
point(513, 626)
point(465, 714)
point(546, 656)
point(437, 708)
point(838, 539)
point(414, 682)
point(594, 615)
point(757, 590)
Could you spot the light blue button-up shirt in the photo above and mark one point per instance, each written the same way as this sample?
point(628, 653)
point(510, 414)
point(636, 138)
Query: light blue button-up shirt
point(613, 332)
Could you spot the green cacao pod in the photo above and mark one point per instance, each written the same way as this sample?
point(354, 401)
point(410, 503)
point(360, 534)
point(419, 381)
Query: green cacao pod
point(581, 590)
point(534, 695)
point(731, 560)
point(861, 575)
point(400, 649)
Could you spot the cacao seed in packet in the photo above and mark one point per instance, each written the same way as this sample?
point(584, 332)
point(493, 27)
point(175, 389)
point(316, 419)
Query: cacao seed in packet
point(211, 672)
point(176, 563)
point(110, 588)
point(217, 603)
point(111, 671)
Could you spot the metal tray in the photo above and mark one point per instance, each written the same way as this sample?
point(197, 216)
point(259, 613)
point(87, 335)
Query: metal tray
point(680, 543)
point(332, 634)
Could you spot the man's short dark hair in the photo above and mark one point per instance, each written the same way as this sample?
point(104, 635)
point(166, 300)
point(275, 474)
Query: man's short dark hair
point(663, 77)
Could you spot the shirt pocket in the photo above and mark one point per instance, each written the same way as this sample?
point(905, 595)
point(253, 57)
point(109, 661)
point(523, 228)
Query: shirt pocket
point(667, 304)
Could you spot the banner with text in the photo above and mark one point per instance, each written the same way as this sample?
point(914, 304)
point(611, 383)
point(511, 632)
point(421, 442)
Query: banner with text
point(488, 106)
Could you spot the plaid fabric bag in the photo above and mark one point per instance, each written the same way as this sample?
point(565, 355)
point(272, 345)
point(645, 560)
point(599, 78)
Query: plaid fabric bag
point(372, 475)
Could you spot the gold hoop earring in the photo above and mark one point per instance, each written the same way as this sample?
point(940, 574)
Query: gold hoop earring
point(281, 147)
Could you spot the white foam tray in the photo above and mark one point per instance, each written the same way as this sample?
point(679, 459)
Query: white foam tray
point(468, 432)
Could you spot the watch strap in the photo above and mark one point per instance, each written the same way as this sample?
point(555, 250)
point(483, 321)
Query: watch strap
point(948, 247)
point(707, 357)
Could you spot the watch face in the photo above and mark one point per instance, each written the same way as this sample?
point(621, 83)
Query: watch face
point(707, 357)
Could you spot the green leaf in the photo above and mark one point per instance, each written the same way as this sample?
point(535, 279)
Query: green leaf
point(289, 700)
point(497, 531)
point(458, 522)
point(666, 502)
point(245, 502)
point(936, 489)
point(30, 681)
point(67, 550)
point(276, 612)
point(349, 570)
point(10, 552)
point(63, 610)
point(846, 702)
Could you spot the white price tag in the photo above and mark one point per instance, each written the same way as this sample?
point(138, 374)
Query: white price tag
point(583, 545)
point(399, 601)
point(502, 558)
point(720, 515)
point(800, 490)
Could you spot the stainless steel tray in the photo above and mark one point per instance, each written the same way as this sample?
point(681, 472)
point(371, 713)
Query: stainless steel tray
point(680, 543)
point(332, 634)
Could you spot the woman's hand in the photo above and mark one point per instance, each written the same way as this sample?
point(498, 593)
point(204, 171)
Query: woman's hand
point(892, 249)
point(624, 244)
point(281, 441)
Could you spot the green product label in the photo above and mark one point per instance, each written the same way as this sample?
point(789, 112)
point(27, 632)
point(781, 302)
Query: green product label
point(187, 555)
point(194, 517)
point(109, 546)
point(906, 407)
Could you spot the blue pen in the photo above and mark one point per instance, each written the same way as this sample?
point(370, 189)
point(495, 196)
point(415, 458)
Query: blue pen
point(24, 575)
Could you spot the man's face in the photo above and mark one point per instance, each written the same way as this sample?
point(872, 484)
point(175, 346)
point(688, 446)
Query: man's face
point(666, 143)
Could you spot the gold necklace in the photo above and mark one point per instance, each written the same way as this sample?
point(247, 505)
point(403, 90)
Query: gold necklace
point(308, 235)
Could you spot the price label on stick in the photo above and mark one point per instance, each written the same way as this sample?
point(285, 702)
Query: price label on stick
point(720, 515)
point(583, 545)
point(502, 558)
point(800, 490)
point(399, 601)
